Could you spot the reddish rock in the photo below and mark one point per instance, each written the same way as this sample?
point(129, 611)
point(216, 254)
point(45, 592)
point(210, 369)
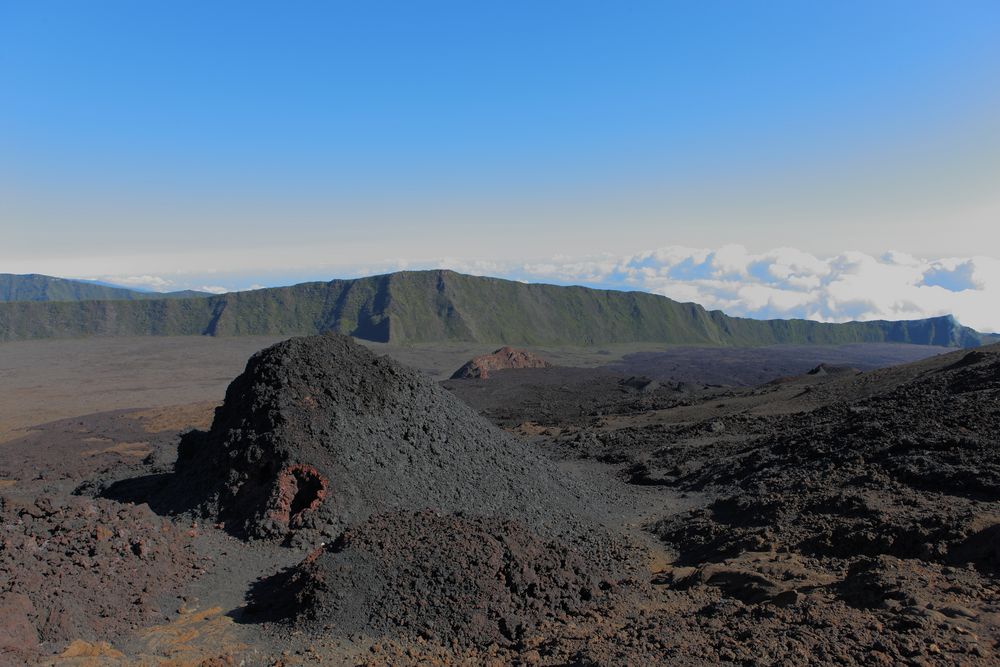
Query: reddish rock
point(502, 359)
point(299, 489)
point(17, 632)
point(88, 569)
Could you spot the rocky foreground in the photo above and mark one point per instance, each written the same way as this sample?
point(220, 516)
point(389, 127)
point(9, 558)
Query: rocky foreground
point(343, 509)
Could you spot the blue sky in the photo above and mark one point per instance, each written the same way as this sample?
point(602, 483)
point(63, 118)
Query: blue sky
point(265, 139)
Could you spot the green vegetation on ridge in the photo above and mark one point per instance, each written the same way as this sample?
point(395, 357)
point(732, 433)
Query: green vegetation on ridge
point(36, 287)
point(435, 306)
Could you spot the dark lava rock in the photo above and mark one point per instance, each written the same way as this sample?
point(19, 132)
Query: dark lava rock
point(640, 383)
point(79, 568)
point(905, 472)
point(563, 395)
point(319, 432)
point(444, 578)
point(897, 494)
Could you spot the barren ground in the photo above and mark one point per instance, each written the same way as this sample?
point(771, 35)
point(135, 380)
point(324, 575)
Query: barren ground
point(837, 518)
point(46, 380)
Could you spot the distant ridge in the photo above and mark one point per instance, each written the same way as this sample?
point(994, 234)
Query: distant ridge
point(36, 287)
point(435, 306)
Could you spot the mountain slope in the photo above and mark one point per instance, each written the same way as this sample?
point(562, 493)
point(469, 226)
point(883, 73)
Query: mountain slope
point(433, 306)
point(35, 287)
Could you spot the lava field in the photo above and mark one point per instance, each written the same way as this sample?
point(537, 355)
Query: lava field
point(342, 508)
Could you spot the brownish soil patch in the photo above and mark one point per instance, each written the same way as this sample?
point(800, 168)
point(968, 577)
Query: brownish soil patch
point(177, 417)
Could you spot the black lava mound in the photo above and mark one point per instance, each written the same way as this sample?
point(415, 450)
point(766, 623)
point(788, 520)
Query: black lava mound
point(318, 433)
point(445, 578)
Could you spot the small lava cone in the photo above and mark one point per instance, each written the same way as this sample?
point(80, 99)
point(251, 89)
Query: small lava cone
point(319, 432)
point(833, 369)
point(503, 359)
point(640, 383)
point(444, 578)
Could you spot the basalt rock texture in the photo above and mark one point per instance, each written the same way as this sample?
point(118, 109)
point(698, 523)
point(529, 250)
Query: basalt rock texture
point(912, 472)
point(79, 568)
point(318, 433)
point(845, 518)
point(450, 579)
point(505, 358)
point(892, 500)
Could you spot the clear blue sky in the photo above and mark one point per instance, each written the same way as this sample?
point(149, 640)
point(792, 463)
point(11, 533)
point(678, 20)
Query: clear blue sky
point(359, 131)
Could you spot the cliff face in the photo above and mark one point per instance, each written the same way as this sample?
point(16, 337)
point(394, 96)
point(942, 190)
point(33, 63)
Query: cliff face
point(434, 306)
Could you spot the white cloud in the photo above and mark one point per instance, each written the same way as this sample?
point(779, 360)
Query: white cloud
point(213, 289)
point(787, 282)
point(149, 282)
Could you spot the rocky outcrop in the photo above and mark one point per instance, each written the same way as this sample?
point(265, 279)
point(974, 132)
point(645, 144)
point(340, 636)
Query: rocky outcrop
point(450, 578)
point(80, 568)
point(319, 432)
point(833, 369)
point(503, 359)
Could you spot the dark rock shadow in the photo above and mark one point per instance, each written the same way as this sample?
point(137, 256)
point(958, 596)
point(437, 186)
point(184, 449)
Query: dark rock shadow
point(167, 493)
point(153, 490)
point(273, 599)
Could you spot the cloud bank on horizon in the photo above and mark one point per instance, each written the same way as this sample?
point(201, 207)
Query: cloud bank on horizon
point(791, 283)
point(780, 283)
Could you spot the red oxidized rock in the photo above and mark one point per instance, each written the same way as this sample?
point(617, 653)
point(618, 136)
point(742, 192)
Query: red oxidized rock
point(17, 632)
point(504, 358)
point(299, 489)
